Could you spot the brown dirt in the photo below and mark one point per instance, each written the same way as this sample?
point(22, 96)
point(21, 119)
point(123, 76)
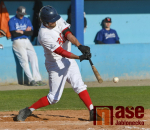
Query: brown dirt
point(64, 120)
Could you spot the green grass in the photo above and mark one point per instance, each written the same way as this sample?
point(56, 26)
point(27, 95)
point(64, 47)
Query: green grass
point(110, 96)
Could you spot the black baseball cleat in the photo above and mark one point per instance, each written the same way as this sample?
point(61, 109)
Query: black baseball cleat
point(92, 115)
point(23, 114)
point(98, 118)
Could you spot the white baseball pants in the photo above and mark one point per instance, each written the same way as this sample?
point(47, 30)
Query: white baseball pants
point(59, 72)
point(25, 52)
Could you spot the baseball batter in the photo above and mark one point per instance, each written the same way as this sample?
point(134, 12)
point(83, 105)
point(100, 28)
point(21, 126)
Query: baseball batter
point(56, 38)
point(21, 28)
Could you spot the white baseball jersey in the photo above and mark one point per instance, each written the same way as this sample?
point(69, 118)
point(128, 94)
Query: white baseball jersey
point(53, 38)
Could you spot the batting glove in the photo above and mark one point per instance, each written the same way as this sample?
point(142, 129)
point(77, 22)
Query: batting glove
point(85, 56)
point(84, 49)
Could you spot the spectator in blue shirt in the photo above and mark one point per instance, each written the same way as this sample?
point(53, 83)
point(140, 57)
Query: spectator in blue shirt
point(21, 28)
point(107, 35)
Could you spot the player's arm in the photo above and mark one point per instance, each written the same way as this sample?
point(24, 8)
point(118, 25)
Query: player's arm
point(28, 33)
point(29, 29)
point(68, 35)
point(17, 33)
point(64, 53)
point(73, 39)
point(53, 46)
point(13, 30)
point(83, 49)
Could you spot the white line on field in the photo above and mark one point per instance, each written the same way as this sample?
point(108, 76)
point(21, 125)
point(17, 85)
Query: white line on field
point(137, 128)
point(6, 116)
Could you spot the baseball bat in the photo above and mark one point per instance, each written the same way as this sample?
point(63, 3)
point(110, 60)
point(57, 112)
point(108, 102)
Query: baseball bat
point(97, 75)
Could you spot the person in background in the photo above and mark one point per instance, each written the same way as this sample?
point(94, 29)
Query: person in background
point(36, 21)
point(69, 18)
point(107, 35)
point(21, 28)
point(4, 18)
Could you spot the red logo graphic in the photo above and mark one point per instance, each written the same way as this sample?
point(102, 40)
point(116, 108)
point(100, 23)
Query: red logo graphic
point(61, 39)
point(104, 115)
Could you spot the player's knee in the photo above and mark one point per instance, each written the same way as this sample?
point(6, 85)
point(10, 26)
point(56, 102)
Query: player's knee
point(80, 89)
point(51, 99)
point(24, 64)
point(54, 101)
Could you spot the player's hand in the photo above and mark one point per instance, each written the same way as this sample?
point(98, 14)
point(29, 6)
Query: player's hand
point(84, 49)
point(85, 56)
point(28, 28)
point(19, 31)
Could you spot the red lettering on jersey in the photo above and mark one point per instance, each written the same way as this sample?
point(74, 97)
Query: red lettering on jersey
point(61, 39)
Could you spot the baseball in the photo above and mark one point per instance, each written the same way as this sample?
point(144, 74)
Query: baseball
point(115, 79)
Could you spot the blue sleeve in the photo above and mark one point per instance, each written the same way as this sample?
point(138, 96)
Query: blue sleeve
point(99, 36)
point(29, 24)
point(117, 38)
point(12, 26)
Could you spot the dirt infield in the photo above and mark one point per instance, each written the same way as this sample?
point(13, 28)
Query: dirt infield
point(64, 120)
